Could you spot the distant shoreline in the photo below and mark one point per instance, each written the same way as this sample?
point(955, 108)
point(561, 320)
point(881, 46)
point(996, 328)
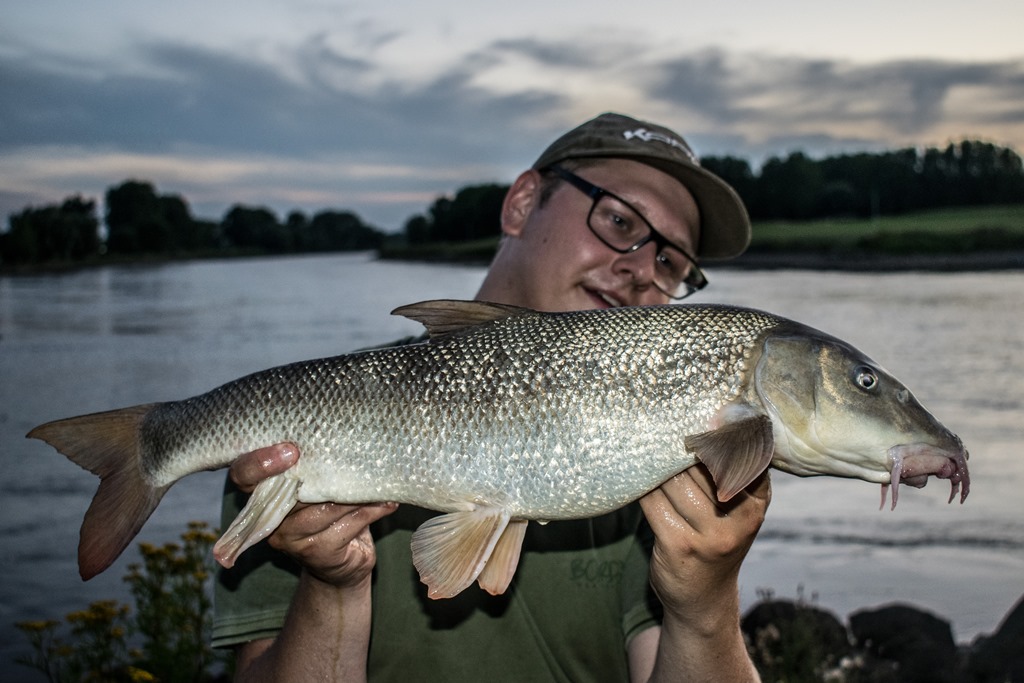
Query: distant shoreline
point(795, 260)
point(804, 260)
point(770, 260)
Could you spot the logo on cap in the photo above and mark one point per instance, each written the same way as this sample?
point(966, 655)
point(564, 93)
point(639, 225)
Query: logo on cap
point(645, 135)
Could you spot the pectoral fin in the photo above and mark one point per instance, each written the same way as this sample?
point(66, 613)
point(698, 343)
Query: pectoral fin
point(735, 453)
point(450, 551)
point(268, 505)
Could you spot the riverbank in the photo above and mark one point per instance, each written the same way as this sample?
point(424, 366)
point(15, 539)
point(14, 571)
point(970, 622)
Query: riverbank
point(477, 254)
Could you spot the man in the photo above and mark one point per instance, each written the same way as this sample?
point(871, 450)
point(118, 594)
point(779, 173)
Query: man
point(614, 213)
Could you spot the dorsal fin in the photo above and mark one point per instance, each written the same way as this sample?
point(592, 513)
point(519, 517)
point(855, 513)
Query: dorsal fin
point(449, 316)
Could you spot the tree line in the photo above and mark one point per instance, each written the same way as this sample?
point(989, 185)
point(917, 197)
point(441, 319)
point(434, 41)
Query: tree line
point(967, 173)
point(139, 221)
point(796, 187)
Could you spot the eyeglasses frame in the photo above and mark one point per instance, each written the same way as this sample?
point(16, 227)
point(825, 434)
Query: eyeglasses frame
point(595, 192)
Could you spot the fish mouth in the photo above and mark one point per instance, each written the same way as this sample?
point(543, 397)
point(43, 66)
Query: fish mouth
point(912, 464)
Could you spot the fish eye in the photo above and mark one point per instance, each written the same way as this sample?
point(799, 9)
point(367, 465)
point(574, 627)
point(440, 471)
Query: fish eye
point(865, 378)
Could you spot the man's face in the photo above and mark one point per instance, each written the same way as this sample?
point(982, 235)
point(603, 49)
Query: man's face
point(563, 266)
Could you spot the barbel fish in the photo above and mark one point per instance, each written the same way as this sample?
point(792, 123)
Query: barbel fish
point(506, 415)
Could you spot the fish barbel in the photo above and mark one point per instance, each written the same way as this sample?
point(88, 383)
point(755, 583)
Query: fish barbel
point(507, 415)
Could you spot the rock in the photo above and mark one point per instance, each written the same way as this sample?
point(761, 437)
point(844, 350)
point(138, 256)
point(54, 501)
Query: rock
point(918, 642)
point(999, 658)
point(794, 641)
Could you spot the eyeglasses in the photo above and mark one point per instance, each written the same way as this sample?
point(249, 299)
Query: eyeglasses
point(623, 229)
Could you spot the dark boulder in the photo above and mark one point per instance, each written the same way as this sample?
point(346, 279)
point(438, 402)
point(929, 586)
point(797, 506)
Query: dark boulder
point(919, 643)
point(794, 641)
point(999, 658)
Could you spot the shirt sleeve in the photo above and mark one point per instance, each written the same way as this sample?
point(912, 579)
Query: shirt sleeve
point(641, 608)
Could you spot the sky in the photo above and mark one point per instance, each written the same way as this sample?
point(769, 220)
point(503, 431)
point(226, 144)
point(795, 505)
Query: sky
point(381, 107)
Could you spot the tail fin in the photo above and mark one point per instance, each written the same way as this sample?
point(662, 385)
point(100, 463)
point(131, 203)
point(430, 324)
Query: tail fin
point(107, 444)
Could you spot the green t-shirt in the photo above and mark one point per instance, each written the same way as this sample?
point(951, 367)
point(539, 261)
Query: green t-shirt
point(580, 593)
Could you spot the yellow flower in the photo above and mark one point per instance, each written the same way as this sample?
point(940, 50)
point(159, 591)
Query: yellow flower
point(37, 626)
point(139, 675)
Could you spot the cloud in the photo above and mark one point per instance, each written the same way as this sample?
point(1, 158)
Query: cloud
point(192, 96)
point(774, 98)
point(574, 55)
point(328, 122)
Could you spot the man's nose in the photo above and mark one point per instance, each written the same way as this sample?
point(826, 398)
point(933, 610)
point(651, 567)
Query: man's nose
point(639, 265)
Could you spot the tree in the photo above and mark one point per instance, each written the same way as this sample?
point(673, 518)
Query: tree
point(474, 212)
point(737, 173)
point(790, 188)
point(256, 228)
point(341, 231)
point(141, 221)
point(297, 225)
point(894, 182)
point(68, 232)
point(185, 233)
point(417, 229)
point(134, 220)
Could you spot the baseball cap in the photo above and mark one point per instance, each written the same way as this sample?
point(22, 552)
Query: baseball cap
point(725, 226)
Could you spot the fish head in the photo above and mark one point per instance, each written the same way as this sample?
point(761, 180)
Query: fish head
point(835, 411)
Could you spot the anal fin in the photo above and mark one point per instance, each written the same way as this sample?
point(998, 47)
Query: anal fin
point(501, 565)
point(450, 551)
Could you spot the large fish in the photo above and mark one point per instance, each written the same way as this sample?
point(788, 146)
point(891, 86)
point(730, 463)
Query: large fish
point(507, 415)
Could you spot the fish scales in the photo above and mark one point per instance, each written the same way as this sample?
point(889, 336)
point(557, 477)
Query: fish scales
point(507, 415)
point(530, 413)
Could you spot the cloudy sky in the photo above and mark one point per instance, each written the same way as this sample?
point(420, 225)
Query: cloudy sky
point(379, 107)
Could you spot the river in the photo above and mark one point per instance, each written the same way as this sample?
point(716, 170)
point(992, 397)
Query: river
point(117, 336)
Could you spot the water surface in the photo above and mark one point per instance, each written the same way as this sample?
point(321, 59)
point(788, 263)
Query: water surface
point(118, 336)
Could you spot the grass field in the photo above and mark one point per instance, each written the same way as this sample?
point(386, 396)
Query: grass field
point(947, 231)
point(955, 230)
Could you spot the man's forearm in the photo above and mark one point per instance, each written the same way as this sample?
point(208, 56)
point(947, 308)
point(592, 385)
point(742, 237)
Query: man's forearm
point(709, 648)
point(325, 637)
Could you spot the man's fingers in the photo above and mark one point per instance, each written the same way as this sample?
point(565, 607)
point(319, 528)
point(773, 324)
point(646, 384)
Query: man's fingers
point(686, 499)
point(357, 520)
point(308, 520)
point(690, 500)
point(250, 469)
point(761, 487)
point(700, 476)
point(326, 525)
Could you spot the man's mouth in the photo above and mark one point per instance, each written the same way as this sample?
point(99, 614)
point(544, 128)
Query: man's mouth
point(606, 299)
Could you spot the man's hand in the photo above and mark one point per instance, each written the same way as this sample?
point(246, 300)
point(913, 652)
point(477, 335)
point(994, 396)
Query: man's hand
point(700, 543)
point(699, 546)
point(331, 541)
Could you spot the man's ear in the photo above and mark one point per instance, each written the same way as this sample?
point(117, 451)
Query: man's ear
point(520, 200)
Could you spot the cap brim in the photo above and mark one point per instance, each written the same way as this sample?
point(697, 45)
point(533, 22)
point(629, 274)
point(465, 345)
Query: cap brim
point(725, 225)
